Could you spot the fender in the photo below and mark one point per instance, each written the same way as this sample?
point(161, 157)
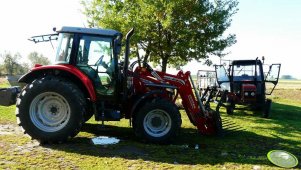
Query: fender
point(143, 98)
point(38, 69)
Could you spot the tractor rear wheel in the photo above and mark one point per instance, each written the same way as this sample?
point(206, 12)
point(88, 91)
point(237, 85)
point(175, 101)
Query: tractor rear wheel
point(51, 109)
point(158, 121)
point(267, 108)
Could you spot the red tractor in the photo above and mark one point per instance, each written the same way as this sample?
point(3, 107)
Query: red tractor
point(88, 79)
point(245, 84)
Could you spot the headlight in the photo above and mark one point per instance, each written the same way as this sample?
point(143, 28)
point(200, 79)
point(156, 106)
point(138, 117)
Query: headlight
point(253, 94)
point(246, 93)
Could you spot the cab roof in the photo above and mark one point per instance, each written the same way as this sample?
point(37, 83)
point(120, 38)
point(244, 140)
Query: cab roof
point(245, 62)
point(94, 31)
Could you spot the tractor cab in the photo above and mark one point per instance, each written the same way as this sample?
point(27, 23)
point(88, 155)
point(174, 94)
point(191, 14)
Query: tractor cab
point(95, 53)
point(247, 79)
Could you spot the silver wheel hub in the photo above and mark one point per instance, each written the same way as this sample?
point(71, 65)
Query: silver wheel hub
point(49, 111)
point(157, 123)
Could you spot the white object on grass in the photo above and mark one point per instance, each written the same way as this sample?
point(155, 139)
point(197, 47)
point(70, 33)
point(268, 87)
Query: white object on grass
point(282, 158)
point(104, 140)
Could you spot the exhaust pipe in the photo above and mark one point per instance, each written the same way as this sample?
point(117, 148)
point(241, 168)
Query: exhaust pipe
point(126, 62)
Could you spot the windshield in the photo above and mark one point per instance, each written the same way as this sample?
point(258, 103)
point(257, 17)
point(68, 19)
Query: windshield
point(246, 72)
point(64, 48)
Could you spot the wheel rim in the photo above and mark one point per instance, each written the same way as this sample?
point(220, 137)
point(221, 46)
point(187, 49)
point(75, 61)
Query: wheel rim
point(157, 123)
point(49, 111)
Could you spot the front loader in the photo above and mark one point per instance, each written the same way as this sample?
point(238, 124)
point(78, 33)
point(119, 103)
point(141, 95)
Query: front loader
point(88, 79)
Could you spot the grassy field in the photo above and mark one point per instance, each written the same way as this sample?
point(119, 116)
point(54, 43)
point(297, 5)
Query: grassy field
point(247, 141)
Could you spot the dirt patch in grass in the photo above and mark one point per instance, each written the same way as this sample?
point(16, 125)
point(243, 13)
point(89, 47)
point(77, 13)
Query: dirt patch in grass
point(17, 150)
point(10, 129)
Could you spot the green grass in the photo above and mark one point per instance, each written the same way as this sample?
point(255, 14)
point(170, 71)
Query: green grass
point(244, 148)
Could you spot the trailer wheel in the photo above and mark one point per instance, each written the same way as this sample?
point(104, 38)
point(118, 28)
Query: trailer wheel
point(267, 108)
point(51, 109)
point(158, 121)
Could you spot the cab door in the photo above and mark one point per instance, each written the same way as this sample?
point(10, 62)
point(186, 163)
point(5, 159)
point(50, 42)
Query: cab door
point(95, 58)
point(272, 78)
point(222, 77)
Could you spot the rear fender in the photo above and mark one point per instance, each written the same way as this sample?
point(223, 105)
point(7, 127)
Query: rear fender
point(68, 71)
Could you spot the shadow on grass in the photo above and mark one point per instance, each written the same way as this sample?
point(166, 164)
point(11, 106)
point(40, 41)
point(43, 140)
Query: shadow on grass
point(286, 118)
point(241, 147)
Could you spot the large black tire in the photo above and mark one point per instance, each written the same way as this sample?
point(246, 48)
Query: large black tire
point(51, 109)
point(267, 108)
point(158, 121)
point(218, 125)
point(230, 110)
point(88, 116)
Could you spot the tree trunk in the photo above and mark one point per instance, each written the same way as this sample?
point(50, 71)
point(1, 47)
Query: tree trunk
point(164, 64)
point(146, 56)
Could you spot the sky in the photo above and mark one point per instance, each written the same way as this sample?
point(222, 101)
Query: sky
point(270, 28)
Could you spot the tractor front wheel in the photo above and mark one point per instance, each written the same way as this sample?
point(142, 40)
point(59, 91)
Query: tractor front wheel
point(230, 108)
point(218, 125)
point(267, 108)
point(158, 121)
point(51, 109)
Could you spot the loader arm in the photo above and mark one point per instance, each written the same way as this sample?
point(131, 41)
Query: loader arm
point(191, 102)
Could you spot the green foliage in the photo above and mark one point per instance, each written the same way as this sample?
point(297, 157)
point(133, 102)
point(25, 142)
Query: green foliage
point(12, 66)
point(36, 58)
point(172, 32)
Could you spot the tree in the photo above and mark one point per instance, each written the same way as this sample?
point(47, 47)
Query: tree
point(173, 32)
point(36, 58)
point(11, 65)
